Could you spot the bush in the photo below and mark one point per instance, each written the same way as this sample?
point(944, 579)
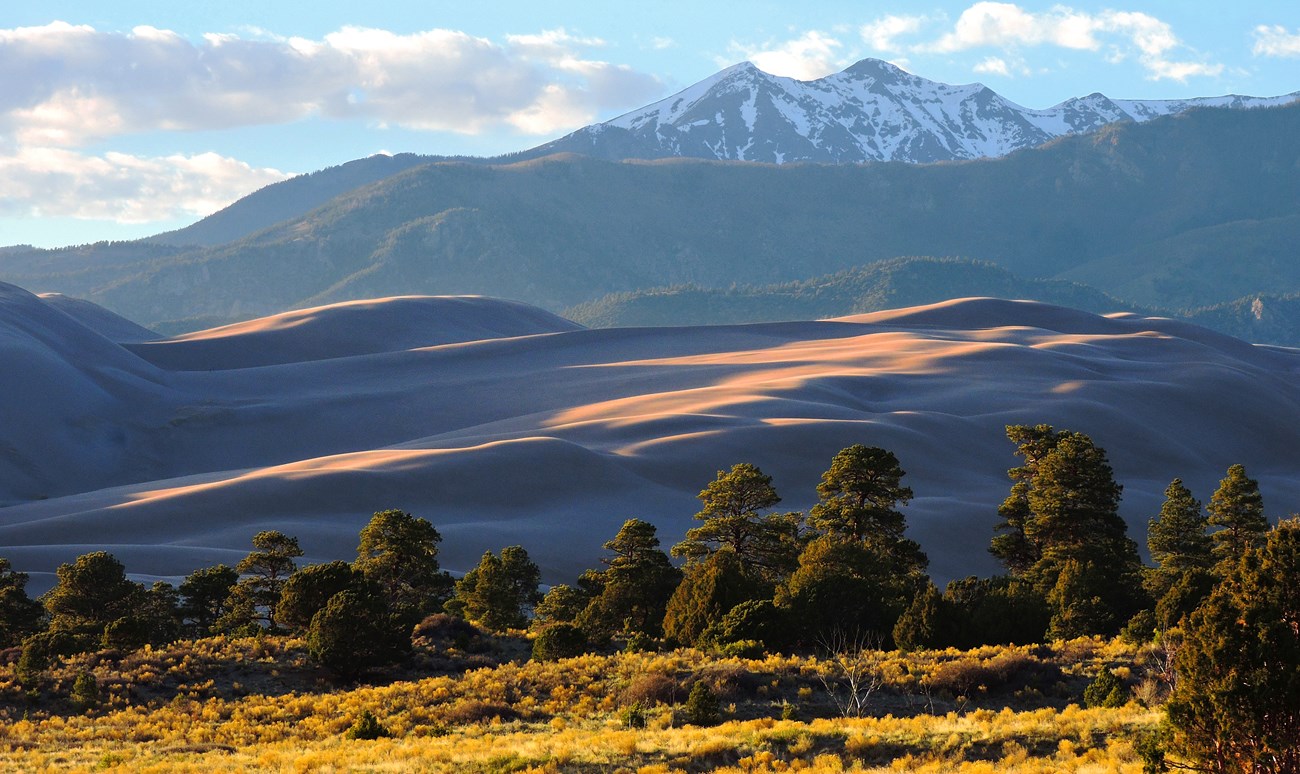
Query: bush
point(649, 689)
point(559, 640)
point(471, 711)
point(85, 692)
point(1140, 629)
point(442, 631)
point(367, 727)
point(1106, 691)
point(632, 716)
point(702, 706)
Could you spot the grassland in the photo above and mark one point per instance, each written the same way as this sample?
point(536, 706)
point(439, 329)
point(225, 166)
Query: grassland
point(259, 704)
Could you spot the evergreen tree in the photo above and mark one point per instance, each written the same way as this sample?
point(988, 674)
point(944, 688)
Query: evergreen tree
point(559, 640)
point(927, 623)
point(500, 592)
point(702, 708)
point(20, 615)
point(264, 571)
point(1065, 505)
point(841, 586)
point(562, 604)
point(399, 553)
point(1014, 547)
point(768, 544)
point(709, 591)
point(91, 594)
point(354, 632)
point(203, 598)
point(1238, 509)
point(1177, 538)
point(1236, 707)
point(860, 494)
point(996, 611)
point(310, 589)
point(635, 587)
point(161, 614)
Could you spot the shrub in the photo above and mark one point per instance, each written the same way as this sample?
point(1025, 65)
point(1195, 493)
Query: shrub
point(1140, 629)
point(470, 711)
point(702, 706)
point(446, 631)
point(367, 727)
point(559, 640)
point(632, 716)
point(649, 689)
point(1106, 691)
point(85, 692)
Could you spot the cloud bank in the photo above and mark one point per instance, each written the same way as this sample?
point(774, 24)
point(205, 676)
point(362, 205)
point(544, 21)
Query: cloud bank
point(1009, 29)
point(68, 86)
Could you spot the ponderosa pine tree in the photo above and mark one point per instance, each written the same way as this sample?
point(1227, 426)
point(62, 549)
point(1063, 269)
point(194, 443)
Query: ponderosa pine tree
point(1068, 504)
point(309, 589)
point(91, 595)
point(203, 596)
point(1237, 704)
point(709, 590)
point(399, 553)
point(767, 544)
point(500, 592)
point(1237, 508)
point(1181, 548)
point(1013, 546)
point(264, 571)
point(635, 587)
point(860, 495)
point(20, 615)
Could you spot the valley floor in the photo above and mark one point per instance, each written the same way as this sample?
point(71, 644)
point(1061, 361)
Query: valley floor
point(258, 705)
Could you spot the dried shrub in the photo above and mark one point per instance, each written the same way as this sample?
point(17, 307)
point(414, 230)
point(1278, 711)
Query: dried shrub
point(650, 688)
point(442, 631)
point(470, 711)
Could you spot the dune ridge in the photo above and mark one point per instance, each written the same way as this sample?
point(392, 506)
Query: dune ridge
point(502, 424)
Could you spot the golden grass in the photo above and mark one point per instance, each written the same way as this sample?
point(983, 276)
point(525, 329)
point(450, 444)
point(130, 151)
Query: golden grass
point(564, 716)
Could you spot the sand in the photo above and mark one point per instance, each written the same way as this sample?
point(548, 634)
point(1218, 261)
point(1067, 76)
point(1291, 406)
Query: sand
point(503, 424)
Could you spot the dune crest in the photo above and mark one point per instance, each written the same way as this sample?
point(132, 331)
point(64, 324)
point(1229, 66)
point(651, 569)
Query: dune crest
point(499, 435)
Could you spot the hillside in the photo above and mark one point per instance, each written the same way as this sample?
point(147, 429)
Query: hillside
point(561, 231)
point(882, 285)
point(551, 436)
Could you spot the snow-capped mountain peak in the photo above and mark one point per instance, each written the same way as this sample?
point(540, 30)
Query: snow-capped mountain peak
point(871, 111)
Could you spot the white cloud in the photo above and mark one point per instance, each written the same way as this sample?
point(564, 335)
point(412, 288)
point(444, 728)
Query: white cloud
point(56, 182)
point(67, 85)
point(1116, 34)
point(807, 57)
point(1275, 40)
point(994, 66)
point(883, 33)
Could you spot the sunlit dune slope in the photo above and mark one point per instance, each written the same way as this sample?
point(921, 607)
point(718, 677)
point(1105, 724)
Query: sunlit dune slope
point(551, 436)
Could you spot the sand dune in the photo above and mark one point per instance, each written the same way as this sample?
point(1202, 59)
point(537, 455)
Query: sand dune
point(503, 424)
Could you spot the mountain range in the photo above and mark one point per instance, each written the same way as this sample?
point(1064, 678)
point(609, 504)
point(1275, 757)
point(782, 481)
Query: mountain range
point(871, 111)
point(1179, 212)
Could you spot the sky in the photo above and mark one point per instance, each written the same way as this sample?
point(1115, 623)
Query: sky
point(124, 119)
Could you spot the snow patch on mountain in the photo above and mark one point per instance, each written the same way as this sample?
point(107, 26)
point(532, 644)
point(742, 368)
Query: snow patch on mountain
point(872, 111)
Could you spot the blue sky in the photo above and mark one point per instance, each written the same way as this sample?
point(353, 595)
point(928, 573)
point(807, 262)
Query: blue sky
point(123, 119)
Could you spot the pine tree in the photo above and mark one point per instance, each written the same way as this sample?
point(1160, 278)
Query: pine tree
point(1177, 538)
point(1066, 505)
point(860, 495)
point(20, 615)
point(93, 593)
point(1014, 547)
point(500, 592)
point(399, 552)
point(841, 586)
point(1238, 509)
point(203, 598)
point(254, 598)
point(635, 587)
point(766, 543)
point(1236, 707)
point(706, 594)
